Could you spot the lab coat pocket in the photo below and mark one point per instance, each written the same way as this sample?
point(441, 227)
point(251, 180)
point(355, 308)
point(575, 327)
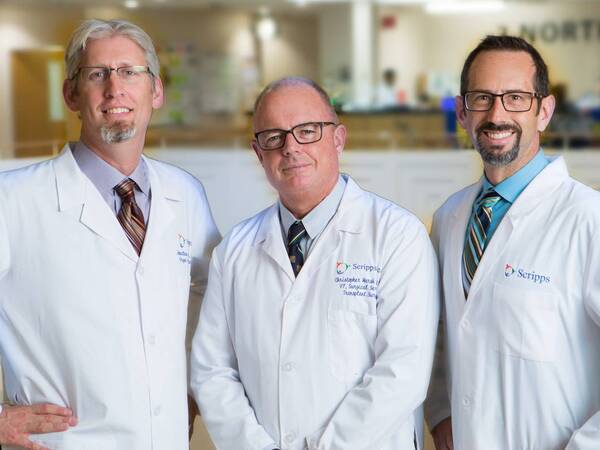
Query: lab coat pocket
point(351, 331)
point(526, 322)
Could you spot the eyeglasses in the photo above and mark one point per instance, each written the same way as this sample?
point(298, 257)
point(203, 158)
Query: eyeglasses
point(515, 101)
point(304, 133)
point(100, 74)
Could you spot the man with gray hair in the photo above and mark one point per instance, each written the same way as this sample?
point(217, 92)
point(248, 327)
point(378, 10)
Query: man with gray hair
point(98, 250)
point(318, 324)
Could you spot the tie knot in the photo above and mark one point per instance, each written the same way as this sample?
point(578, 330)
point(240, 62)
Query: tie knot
point(296, 232)
point(489, 199)
point(125, 189)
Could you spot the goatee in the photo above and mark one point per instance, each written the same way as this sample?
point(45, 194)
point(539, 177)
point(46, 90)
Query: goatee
point(493, 154)
point(117, 132)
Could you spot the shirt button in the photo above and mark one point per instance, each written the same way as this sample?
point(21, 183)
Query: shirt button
point(141, 270)
point(466, 323)
point(290, 437)
point(151, 339)
point(157, 411)
point(466, 402)
point(287, 367)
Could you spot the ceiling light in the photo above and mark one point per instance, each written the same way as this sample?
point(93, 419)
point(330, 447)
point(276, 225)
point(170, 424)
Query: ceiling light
point(131, 4)
point(266, 28)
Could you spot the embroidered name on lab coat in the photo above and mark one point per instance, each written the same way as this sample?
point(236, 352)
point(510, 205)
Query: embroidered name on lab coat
point(357, 280)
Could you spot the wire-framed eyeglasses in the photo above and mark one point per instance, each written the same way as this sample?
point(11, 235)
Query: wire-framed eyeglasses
point(101, 74)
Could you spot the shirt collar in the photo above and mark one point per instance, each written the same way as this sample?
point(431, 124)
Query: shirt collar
point(104, 176)
point(317, 219)
point(512, 187)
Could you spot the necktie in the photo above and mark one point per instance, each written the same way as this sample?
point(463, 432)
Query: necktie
point(130, 215)
point(295, 235)
point(476, 237)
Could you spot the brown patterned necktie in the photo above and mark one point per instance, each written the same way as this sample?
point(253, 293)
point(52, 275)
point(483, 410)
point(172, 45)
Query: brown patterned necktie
point(130, 215)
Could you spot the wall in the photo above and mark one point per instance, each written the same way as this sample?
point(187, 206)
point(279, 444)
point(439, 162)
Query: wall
point(24, 29)
point(294, 51)
point(422, 42)
point(218, 31)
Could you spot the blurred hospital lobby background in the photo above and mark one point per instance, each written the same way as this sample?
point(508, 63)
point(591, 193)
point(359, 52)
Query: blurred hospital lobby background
point(391, 67)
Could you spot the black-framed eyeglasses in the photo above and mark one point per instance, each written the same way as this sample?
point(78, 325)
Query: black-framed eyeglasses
point(304, 133)
point(101, 74)
point(512, 101)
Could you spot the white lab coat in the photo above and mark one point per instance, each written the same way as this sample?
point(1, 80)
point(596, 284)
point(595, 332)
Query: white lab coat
point(524, 349)
point(84, 322)
point(338, 358)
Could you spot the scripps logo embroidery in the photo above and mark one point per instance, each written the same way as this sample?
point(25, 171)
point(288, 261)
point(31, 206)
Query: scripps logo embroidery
point(182, 241)
point(341, 267)
point(183, 251)
point(537, 278)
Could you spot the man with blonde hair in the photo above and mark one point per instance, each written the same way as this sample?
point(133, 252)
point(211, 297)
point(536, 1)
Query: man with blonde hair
point(98, 250)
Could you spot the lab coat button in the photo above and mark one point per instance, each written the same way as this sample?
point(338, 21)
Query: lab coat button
point(287, 367)
point(141, 270)
point(151, 339)
point(466, 402)
point(290, 437)
point(466, 323)
point(157, 411)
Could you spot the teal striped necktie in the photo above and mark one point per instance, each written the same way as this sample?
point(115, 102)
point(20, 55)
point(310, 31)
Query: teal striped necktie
point(475, 240)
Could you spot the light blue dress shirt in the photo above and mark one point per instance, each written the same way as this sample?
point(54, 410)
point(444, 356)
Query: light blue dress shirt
point(510, 189)
point(316, 220)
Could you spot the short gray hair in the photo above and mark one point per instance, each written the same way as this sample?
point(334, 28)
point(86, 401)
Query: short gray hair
point(98, 29)
point(296, 81)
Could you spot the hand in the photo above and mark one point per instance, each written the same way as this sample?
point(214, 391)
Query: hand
point(442, 435)
point(192, 413)
point(17, 423)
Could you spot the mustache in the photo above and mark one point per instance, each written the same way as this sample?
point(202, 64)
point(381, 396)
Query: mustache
point(491, 126)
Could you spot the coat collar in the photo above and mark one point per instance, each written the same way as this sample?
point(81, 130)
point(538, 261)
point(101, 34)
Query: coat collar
point(71, 183)
point(342, 220)
point(346, 219)
point(540, 188)
point(75, 190)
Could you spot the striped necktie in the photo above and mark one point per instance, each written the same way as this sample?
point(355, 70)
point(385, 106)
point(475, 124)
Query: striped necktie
point(130, 215)
point(475, 240)
point(295, 235)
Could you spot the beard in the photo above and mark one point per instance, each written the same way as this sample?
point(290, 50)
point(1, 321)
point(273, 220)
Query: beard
point(492, 154)
point(117, 132)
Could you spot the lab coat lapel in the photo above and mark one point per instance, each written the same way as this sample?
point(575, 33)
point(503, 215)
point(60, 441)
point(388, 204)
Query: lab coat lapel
point(161, 210)
point(540, 188)
point(270, 239)
point(456, 245)
point(493, 252)
point(75, 189)
point(331, 237)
